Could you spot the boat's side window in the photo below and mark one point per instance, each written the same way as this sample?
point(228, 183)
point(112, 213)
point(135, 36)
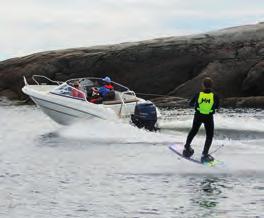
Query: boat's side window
point(63, 90)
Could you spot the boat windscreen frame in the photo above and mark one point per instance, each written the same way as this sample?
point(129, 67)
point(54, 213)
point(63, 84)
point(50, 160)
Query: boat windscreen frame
point(35, 78)
point(100, 81)
point(61, 91)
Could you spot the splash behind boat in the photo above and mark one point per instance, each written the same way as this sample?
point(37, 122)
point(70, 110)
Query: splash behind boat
point(55, 99)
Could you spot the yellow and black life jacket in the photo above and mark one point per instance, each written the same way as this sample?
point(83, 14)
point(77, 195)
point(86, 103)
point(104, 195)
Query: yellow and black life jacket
point(205, 103)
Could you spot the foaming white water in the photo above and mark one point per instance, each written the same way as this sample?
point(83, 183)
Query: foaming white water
point(235, 153)
point(239, 123)
point(46, 174)
point(102, 131)
point(222, 121)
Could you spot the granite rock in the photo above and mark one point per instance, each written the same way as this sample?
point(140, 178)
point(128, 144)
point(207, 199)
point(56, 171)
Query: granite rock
point(173, 66)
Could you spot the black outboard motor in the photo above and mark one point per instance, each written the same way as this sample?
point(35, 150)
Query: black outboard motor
point(145, 115)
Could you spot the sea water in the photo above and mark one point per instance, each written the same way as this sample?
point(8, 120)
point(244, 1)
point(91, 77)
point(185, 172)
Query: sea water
point(104, 169)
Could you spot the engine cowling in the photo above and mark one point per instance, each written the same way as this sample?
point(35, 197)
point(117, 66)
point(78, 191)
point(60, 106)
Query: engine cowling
point(145, 116)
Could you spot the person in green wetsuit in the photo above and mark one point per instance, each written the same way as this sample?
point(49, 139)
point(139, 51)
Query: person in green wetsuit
point(205, 103)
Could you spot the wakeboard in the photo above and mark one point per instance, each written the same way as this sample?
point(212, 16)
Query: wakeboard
point(178, 149)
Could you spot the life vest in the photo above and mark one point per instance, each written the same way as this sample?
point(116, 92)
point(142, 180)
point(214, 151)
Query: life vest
point(104, 90)
point(109, 86)
point(77, 94)
point(205, 102)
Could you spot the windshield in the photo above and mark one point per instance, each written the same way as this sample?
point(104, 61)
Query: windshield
point(70, 91)
point(80, 88)
point(90, 82)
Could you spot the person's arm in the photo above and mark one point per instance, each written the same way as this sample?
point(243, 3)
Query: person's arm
point(101, 90)
point(193, 101)
point(216, 102)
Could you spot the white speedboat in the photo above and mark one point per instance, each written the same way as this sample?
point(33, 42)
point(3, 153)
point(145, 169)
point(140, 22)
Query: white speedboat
point(55, 99)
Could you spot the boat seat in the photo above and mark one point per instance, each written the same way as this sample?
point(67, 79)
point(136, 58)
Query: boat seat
point(119, 101)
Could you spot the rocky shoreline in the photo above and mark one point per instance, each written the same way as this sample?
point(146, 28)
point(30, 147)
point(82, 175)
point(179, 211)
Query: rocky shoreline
point(173, 66)
point(242, 102)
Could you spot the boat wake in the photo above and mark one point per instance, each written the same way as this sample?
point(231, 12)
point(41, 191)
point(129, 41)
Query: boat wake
point(242, 151)
point(108, 132)
point(233, 128)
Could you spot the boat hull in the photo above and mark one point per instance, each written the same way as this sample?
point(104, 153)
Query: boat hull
point(61, 114)
point(70, 101)
point(65, 110)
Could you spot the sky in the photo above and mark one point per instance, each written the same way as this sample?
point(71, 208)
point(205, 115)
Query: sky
point(30, 26)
